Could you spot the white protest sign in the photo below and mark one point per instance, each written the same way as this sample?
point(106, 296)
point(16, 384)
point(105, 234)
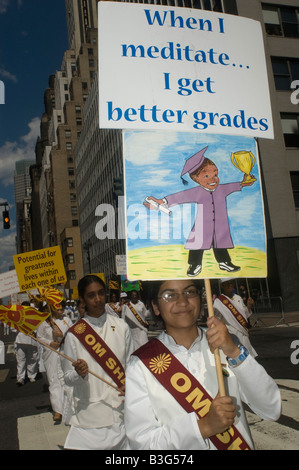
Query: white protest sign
point(182, 69)
point(121, 264)
point(9, 283)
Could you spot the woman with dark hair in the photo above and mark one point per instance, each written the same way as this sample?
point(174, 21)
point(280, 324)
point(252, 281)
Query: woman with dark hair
point(172, 399)
point(102, 344)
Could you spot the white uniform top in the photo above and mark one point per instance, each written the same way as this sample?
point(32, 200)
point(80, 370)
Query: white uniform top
point(21, 338)
point(154, 420)
point(130, 318)
point(45, 333)
point(233, 326)
point(111, 311)
point(97, 405)
point(139, 331)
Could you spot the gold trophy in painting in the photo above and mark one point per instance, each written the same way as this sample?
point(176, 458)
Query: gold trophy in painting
point(244, 161)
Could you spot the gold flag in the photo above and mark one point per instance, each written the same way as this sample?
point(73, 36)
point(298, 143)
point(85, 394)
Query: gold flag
point(22, 318)
point(51, 295)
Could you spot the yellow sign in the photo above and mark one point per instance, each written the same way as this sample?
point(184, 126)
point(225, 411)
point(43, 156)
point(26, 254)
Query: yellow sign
point(75, 295)
point(40, 268)
point(100, 275)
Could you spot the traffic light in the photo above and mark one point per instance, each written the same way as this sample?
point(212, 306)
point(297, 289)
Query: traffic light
point(6, 219)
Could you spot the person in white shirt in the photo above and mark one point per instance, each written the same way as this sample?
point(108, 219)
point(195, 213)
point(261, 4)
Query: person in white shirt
point(114, 307)
point(27, 356)
point(51, 332)
point(230, 308)
point(96, 341)
point(134, 312)
point(172, 400)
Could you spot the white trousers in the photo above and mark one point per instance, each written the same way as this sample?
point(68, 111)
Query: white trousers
point(55, 388)
point(27, 361)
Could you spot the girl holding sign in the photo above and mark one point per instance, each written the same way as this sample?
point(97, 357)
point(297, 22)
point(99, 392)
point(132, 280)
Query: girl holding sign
point(172, 399)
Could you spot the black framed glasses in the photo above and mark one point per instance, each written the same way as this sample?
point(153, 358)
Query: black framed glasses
point(173, 296)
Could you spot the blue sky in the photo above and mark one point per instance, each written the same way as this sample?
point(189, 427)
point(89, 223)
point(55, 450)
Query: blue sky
point(33, 38)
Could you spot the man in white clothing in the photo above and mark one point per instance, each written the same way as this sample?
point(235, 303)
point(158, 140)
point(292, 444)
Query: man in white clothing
point(51, 332)
point(134, 313)
point(230, 308)
point(27, 358)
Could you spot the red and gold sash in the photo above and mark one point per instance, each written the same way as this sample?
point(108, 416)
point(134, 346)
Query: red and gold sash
point(238, 316)
point(99, 350)
point(137, 316)
point(186, 389)
point(114, 308)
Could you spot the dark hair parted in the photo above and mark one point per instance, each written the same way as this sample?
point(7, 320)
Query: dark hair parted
point(86, 280)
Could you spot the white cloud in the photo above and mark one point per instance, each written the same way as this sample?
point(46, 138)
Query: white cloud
point(143, 148)
point(6, 75)
point(157, 177)
point(4, 4)
point(12, 152)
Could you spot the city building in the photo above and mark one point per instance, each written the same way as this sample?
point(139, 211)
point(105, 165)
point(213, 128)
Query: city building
point(22, 190)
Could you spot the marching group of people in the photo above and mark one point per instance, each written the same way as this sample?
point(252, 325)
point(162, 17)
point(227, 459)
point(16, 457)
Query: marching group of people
point(118, 390)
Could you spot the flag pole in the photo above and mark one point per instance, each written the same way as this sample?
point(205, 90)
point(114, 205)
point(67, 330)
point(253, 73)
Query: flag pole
point(73, 360)
point(216, 352)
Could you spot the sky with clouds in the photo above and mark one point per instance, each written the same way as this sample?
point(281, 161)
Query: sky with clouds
point(31, 49)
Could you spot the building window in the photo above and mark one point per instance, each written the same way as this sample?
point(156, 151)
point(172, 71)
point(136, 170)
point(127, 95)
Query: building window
point(78, 109)
point(74, 210)
point(290, 128)
point(225, 6)
point(68, 134)
point(285, 70)
point(72, 184)
point(73, 197)
point(69, 145)
point(295, 186)
point(75, 222)
point(79, 121)
point(281, 20)
point(69, 241)
point(70, 259)
point(71, 275)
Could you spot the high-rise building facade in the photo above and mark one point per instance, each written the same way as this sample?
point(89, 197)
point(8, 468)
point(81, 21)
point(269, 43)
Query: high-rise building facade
point(22, 189)
point(81, 16)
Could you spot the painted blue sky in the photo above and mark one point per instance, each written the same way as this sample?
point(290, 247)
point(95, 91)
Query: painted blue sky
point(33, 38)
point(159, 158)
